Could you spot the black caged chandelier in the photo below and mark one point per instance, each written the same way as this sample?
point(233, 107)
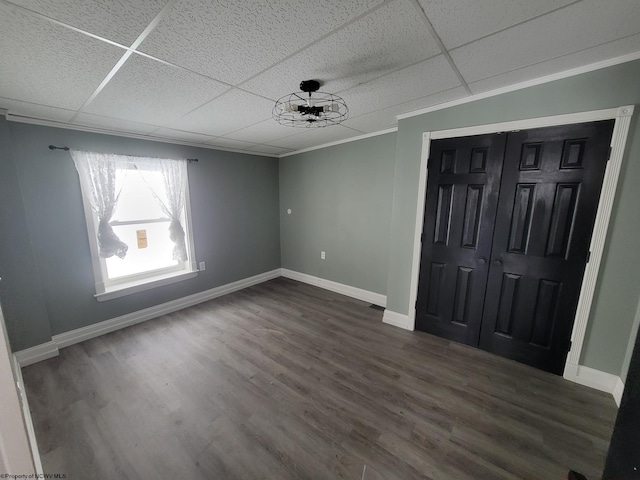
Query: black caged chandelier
point(304, 110)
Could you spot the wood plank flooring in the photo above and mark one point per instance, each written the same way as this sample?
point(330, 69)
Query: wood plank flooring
point(284, 380)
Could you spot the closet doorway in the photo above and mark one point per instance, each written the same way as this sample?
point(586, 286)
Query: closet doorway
point(508, 220)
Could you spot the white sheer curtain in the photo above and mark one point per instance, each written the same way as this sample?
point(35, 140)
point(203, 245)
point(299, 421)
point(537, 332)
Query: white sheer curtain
point(174, 176)
point(97, 172)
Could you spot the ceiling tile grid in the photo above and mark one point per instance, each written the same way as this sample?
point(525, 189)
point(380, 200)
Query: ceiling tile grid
point(263, 132)
point(180, 135)
point(112, 124)
point(231, 41)
point(119, 21)
point(47, 64)
point(311, 137)
point(625, 46)
point(458, 22)
point(383, 41)
point(225, 142)
point(386, 118)
point(227, 113)
point(376, 54)
point(147, 91)
point(571, 29)
point(270, 149)
point(425, 78)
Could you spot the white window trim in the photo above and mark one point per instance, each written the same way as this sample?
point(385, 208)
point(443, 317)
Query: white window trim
point(104, 292)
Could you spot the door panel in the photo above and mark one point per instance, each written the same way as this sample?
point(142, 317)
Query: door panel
point(460, 209)
point(549, 193)
point(507, 227)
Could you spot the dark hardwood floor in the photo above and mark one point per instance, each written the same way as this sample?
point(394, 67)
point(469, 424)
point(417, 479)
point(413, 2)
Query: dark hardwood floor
point(285, 380)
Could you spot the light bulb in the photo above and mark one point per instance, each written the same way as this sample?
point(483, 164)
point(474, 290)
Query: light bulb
point(332, 107)
point(288, 107)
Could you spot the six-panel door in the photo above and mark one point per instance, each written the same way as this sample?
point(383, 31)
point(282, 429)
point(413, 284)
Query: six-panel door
point(460, 209)
point(549, 192)
point(507, 227)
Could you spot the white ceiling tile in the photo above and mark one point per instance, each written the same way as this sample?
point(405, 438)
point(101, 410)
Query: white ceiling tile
point(387, 39)
point(231, 41)
point(585, 57)
point(225, 142)
point(118, 21)
point(47, 64)
point(356, 47)
point(376, 121)
point(460, 21)
point(426, 78)
point(232, 111)
point(34, 110)
point(270, 149)
point(148, 91)
point(180, 135)
point(114, 124)
point(310, 137)
point(583, 25)
point(386, 118)
point(263, 132)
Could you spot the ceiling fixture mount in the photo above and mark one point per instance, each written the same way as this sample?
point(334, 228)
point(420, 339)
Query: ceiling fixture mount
point(320, 110)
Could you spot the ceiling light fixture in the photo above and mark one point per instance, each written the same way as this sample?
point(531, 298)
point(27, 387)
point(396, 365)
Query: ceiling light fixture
point(320, 110)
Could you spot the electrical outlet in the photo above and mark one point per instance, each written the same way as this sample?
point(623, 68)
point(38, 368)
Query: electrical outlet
point(202, 266)
point(322, 255)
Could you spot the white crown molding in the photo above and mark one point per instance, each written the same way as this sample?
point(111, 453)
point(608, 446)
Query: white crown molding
point(529, 83)
point(349, 291)
point(4, 112)
point(340, 142)
point(104, 131)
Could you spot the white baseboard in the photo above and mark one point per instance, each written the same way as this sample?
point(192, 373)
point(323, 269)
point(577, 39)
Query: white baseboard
point(36, 354)
point(590, 377)
point(618, 389)
point(398, 320)
point(50, 349)
point(587, 376)
point(349, 291)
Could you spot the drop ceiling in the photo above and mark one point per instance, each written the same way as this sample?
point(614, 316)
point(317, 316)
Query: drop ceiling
point(208, 72)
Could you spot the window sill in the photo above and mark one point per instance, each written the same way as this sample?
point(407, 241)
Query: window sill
point(146, 284)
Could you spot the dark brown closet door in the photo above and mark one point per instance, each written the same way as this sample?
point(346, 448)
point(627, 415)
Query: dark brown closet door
point(460, 209)
point(549, 194)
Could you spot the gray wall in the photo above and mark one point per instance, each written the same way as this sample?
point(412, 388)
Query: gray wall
point(356, 201)
point(616, 297)
point(20, 289)
point(627, 358)
point(234, 200)
point(340, 199)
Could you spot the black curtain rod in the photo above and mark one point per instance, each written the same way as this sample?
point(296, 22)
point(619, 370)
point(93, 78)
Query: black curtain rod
point(66, 149)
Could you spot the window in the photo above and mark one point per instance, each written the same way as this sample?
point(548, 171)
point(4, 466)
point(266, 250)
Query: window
point(137, 212)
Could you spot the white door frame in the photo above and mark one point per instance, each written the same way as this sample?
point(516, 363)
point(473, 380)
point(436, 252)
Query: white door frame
point(18, 449)
point(622, 117)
